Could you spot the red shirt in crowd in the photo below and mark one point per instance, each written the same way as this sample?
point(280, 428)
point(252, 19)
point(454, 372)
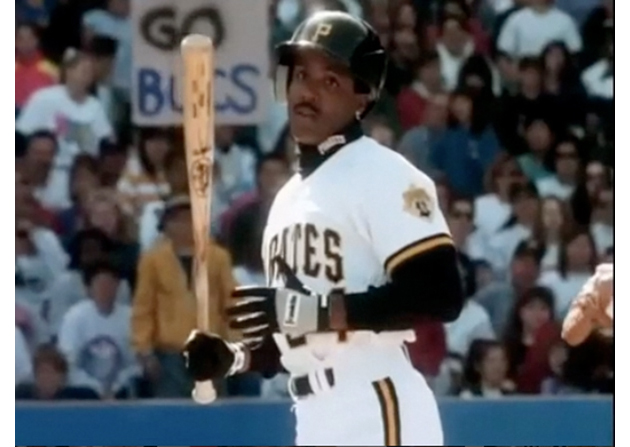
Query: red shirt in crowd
point(31, 74)
point(535, 368)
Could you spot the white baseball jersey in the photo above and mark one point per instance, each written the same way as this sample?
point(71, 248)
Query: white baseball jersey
point(348, 225)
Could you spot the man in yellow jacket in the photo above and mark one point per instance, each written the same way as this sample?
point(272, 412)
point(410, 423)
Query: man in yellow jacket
point(164, 306)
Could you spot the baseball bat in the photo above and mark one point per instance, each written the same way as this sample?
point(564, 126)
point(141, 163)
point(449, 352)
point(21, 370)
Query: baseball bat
point(198, 104)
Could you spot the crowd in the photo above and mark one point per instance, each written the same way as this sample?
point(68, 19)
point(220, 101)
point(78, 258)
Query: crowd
point(507, 104)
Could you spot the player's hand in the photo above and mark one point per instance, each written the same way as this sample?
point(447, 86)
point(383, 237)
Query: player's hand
point(209, 357)
point(294, 310)
point(592, 309)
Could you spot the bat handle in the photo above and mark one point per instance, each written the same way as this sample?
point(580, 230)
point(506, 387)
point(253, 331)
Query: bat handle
point(204, 392)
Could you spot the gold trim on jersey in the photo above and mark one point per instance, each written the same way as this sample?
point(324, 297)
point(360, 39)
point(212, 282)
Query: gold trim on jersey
point(390, 411)
point(416, 248)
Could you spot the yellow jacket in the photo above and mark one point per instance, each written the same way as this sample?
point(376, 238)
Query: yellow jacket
point(164, 306)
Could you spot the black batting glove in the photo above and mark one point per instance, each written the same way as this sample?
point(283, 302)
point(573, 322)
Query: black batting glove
point(209, 357)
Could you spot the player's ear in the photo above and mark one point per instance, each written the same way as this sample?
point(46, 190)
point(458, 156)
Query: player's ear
point(364, 102)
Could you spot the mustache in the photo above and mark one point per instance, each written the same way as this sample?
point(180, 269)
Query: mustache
point(306, 107)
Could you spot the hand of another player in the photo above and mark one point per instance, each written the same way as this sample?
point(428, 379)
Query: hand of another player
point(294, 310)
point(209, 357)
point(592, 309)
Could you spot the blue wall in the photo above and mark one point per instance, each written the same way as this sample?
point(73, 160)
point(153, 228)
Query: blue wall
point(506, 422)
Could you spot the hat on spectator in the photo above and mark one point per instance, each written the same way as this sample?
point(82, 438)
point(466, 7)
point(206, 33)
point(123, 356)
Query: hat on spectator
point(172, 205)
point(529, 248)
point(102, 46)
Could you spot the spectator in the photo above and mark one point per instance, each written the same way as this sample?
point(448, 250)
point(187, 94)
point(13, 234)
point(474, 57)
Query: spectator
point(529, 338)
point(603, 221)
point(235, 163)
point(468, 146)
point(561, 80)
point(454, 47)
point(143, 179)
point(500, 296)
point(32, 70)
point(567, 168)
point(87, 247)
point(469, 246)
point(586, 195)
point(478, 75)
point(413, 101)
point(95, 336)
point(245, 228)
point(23, 362)
point(576, 263)
point(521, 226)
point(599, 78)
point(538, 140)
point(39, 258)
point(102, 50)
point(176, 175)
point(29, 320)
point(472, 324)
point(51, 379)
point(418, 143)
point(163, 309)
point(115, 23)
point(69, 110)
point(527, 31)
point(428, 351)
point(405, 46)
point(466, 10)
point(105, 214)
point(112, 158)
point(555, 384)
point(37, 164)
point(486, 371)
point(26, 205)
point(529, 102)
point(83, 180)
point(555, 223)
point(596, 31)
point(493, 209)
point(33, 11)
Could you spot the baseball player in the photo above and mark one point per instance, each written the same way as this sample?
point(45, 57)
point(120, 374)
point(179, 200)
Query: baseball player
point(355, 250)
point(592, 309)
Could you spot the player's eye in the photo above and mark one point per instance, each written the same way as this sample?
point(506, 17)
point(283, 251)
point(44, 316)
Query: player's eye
point(332, 82)
point(299, 73)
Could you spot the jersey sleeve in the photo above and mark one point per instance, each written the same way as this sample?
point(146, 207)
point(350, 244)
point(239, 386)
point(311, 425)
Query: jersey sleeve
point(403, 217)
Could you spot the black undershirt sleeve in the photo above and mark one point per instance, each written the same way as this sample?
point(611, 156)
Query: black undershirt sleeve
point(427, 285)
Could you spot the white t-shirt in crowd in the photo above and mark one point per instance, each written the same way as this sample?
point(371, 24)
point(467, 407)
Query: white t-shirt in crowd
point(79, 126)
point(450, 64)
point(98, 347)
point(599, 81)
point(564, 289)
point(491, 213)
point(472, 324)
point(550, 258)
point(55, 194)
point(502, 245)
point(527, 32)
point(551, 186)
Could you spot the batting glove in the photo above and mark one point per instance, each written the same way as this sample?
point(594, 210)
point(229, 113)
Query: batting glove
point(209, 357)
point(293, 310)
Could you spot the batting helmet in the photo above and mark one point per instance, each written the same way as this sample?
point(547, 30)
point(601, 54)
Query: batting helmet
point(344, 38)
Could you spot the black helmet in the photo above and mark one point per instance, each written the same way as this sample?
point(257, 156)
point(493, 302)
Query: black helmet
point(343, 37)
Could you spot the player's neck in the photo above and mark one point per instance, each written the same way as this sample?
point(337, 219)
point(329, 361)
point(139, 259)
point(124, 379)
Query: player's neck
point(310, 157)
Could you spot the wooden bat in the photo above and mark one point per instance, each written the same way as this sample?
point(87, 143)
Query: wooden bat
point(198, 103)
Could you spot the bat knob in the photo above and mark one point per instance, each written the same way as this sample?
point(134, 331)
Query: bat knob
point(196, 41)
point(204, 393)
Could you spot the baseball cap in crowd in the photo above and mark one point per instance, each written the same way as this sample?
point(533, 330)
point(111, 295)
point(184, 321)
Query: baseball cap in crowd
point(102, 46)
point(529, 248)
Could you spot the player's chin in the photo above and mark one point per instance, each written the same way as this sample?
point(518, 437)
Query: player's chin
point(306, 130)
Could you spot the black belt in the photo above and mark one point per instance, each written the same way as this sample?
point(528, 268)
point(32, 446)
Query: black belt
point(301, 386)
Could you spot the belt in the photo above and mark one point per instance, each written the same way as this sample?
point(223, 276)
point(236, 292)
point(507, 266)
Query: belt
point(310, 384)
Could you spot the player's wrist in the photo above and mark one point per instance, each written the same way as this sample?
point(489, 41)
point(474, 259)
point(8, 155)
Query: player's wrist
point(337, 315)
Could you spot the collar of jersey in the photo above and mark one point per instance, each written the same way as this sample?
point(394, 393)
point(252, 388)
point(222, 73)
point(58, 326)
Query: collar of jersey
point(310, 157)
